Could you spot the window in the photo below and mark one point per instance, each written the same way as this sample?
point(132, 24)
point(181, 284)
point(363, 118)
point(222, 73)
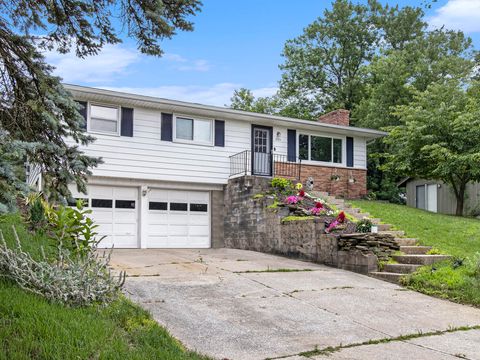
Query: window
point(199, 207)
point(303, 147)
point(184, 129)
point(102, 203)
point(73, 202)
point(104, 119)
point(193, 130)
point(125, 204)
point(178, 206)
point(156, 205)
point(320, 148)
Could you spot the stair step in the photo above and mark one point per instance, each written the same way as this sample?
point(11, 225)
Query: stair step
point(415, 250)
point(386, 276)
point(400, 268)
point(420, 259)
point(396, 233)
point(406, 241)
point(384, 227)
point(376, 221)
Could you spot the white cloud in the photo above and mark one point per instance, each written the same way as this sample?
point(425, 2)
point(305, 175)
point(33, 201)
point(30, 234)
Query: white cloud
point(458, 15)
point(218, 94)
point(112, 62)
point(181, 63)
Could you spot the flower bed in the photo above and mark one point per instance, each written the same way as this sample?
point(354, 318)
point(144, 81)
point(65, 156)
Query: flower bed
point(303, 204)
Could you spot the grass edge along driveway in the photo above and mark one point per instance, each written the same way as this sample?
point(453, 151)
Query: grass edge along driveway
point(457, 280)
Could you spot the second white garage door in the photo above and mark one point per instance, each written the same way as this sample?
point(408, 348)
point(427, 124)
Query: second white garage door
point(178, 219)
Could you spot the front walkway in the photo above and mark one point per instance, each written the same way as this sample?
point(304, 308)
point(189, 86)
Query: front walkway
point(234, 304)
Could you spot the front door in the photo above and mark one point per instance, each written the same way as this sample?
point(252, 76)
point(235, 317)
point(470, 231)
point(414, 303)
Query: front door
point(261, 150)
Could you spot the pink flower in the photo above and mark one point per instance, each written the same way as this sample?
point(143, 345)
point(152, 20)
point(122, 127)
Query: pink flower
point(332, 226)
point(292, 199)
point(315, 210)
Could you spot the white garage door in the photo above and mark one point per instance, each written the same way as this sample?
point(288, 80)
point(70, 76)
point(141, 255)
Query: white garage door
point(178, 219)
point(115, 211)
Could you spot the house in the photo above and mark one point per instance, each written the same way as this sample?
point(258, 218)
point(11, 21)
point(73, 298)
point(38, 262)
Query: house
point(436, 196)
point(166, 163)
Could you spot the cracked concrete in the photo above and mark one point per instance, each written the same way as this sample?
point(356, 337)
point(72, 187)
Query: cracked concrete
point(208, 301)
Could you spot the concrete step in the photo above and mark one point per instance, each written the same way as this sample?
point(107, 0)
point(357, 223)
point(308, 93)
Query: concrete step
point(396, 233)
point(406, 241)
point(415, 250)
point(376, 221)
point(384, 227)
point(400, 268)
point(420, 259)
point(386, 276)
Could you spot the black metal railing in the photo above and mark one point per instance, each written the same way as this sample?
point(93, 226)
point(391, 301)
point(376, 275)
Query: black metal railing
point(265, 165)
point(286, 166)
point(241, 163)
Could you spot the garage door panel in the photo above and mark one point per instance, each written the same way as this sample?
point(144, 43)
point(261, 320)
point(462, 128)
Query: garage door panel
point(177, 230)
point(185, 223)
point(198, 230)
point(198, 219)
point(119, 221)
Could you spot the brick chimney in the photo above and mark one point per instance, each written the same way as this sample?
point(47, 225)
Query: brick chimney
point(336, 117)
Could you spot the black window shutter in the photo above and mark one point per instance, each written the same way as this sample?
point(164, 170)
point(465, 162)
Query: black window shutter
point(219, 133)
point(126, 122)
point(291, 145)
point(349, 151)
point(166, 128)
point(83, 112)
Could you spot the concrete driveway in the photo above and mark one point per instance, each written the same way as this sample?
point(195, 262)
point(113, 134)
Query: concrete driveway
point(236, 304)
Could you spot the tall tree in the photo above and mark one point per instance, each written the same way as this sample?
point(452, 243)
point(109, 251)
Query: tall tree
point(392, 79)
point(438, 138)
point(323, 66)
point(36, 113)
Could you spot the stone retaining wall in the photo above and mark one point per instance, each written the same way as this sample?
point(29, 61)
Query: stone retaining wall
point(250, 224)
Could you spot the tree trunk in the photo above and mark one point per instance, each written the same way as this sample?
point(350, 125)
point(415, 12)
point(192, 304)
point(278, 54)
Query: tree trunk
point(460, 196)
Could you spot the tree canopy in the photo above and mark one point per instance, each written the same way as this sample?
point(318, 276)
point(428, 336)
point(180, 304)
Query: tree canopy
point(37, 114)
point(438, 138)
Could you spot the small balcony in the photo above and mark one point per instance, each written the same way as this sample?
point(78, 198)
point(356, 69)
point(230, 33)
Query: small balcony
point(264, 164)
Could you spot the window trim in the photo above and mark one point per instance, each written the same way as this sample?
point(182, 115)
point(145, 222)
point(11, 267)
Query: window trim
point(316, 162)
point(193, 142)
point(89, 117)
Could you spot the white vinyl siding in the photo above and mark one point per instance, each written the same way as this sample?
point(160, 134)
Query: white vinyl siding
point(146, 157)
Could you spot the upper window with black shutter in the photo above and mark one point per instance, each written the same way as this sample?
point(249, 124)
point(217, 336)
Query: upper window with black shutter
point(104, 119)
point(193, 130)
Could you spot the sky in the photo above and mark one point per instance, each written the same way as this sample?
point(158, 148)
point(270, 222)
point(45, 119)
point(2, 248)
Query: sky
point(235, 44)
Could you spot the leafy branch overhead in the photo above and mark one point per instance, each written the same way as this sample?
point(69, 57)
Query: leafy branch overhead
point(39, 120)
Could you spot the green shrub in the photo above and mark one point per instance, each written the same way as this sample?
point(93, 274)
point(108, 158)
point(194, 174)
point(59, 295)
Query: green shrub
point(364, 226)
point(72, 227)
point(282, 184)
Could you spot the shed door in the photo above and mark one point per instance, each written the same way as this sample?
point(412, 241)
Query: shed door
point(432, 197)
point(420, 197)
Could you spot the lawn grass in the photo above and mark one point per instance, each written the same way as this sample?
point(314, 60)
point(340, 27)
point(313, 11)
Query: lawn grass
point(32, 328)
point(456, 236)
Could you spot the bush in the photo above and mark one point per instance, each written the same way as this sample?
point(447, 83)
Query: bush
point(364, 226)
point(79, 281)
point(72, 227)
point(282, 184)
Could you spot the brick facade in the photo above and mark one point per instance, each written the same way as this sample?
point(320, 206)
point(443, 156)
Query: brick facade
point(336, 117)
point(342, 182)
